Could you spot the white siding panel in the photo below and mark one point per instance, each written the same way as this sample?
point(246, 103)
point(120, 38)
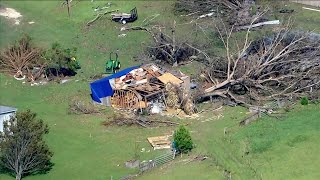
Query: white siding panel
point(3, 118)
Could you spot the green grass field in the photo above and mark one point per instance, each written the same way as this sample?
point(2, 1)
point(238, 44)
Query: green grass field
point(84, 149)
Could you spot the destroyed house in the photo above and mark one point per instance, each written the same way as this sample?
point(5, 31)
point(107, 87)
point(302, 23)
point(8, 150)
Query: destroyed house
point(135, 87)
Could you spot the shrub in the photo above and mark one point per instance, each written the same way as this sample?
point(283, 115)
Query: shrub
point(183, 140)
point(304, 101)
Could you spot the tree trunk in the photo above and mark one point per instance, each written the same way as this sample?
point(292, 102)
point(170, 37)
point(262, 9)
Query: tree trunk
point(18, 176)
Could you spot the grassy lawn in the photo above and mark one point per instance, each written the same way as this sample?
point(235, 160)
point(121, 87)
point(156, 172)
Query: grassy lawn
point(278, 149)
point(84, 149)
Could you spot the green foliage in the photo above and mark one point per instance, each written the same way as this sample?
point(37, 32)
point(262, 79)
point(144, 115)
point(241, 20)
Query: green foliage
point(183, 140)
point(59, 57)
point(23, 150)
point(304, 101)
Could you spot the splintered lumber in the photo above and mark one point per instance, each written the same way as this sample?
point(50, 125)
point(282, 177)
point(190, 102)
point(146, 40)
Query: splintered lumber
point(99, 16)
point(250, 119)
point(140, 121)
point(127, 99)
point(275, 22)
point(160, 142)
point(311, 9)
point(169, 78)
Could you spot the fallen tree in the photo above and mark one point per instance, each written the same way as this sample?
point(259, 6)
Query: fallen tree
point(25, 61)
point(21, 58)
point(283, 65)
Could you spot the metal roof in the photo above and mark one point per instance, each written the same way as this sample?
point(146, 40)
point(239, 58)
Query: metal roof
point(7, 109)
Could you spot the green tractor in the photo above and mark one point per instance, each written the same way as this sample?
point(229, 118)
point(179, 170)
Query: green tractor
point(113, 65)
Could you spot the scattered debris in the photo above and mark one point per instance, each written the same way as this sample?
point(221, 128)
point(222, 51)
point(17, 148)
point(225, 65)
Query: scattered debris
point(215, 117)
point(311, 9)
point(77, 106)
point(125, 120)
point(206, 15)
point(197, 158)
point(237, 12)
point(250, 119)
point(104, 7)
point(160, 142)
point(275, 22)
point(65, 81)
point(132, 163)
point(122, 35)
point(37, 83)
point(99, 15)
point(11, 14)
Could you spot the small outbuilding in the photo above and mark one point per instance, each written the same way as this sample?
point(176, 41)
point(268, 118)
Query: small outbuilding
point(5, 114)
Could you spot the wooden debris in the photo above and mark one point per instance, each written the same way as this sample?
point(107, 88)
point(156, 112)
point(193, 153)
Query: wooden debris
point(311, 9)
point(168, 77)
point(250, 119)
point(99, 16)
point(160, 142)
point(122, 120)
point(275, 22)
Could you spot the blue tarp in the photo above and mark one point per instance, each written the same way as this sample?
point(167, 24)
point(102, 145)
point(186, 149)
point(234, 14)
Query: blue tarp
point(102, 88)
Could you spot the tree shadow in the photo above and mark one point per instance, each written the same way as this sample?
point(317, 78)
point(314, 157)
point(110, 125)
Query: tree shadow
point(42, 171)
point(45, 170)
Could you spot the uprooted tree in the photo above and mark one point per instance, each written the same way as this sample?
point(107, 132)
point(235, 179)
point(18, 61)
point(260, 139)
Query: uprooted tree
point(21, 58)
point(23, 149)
point(285, 64)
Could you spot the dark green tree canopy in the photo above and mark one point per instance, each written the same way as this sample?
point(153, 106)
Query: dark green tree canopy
point(23, 150)
point(183, 140)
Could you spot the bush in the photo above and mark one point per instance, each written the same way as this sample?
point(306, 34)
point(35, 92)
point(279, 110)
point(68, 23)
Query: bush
point(304, 101)
point(182, 139)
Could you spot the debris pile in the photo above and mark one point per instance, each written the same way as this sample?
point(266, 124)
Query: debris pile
point(77, 106)
point(152, 87)
point(126, 120)
point(238, 12)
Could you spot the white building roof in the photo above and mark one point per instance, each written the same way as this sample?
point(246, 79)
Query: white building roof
point(7, 109)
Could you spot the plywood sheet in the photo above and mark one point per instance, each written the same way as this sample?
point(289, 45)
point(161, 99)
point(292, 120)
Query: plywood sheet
point(160, 142)
point(168, 77)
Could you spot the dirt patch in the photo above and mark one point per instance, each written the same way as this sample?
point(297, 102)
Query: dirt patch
point(11, 14)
